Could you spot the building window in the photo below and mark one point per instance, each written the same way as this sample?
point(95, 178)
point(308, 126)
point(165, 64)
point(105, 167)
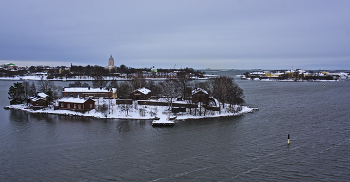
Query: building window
point(75, 106)
point(62, 105)
point(90, 106)
point(79, 106)
point(68, 105)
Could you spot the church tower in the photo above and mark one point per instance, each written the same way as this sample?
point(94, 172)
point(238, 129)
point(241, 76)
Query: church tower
point(110, 61)
point(111, 66)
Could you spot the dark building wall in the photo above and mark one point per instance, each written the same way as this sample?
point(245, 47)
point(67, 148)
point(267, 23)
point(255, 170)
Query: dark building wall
point(200, 97)
point(40, 102)
point(87, 105)
point(137, 95)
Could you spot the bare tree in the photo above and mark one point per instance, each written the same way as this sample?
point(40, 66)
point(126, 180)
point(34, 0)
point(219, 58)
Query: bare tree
point(45, 86)
point(184, 78)
point(113, 84)
point(26, 87)
point(156, 89)
point(227, 91)
point(170, 90)
point(79, 84)
point(103, 109)
point(235, 95)
point(125, 108)
point(32, 89)
point(139, 81)
point(99, 81)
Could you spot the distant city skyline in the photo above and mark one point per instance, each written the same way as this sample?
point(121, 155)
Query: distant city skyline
point(223, 34)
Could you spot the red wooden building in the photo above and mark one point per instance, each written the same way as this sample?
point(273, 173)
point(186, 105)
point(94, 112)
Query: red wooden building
point(39, 100)
point(141, 94)
point(200, 95)
point(76, 104)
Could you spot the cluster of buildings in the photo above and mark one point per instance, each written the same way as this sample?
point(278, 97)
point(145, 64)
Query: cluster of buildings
point(294, 74)
point(76, 98)
point(8, 66)
point(78, 72)
point(83, 99)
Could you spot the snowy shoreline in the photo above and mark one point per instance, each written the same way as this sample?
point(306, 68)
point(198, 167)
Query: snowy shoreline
point(162, 113)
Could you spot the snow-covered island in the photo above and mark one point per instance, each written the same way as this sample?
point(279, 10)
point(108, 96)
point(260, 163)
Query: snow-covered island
point(294, 75)
point(173, 98)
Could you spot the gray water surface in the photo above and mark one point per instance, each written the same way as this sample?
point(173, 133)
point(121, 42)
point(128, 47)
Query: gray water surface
point(251, 147)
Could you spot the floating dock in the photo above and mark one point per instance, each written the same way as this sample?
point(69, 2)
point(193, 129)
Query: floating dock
point(163, 123)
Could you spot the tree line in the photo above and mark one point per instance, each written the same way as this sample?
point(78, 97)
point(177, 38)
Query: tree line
point(21, 92)
point(223, 88)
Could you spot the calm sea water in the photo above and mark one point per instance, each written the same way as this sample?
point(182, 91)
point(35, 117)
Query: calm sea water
point(251, 147)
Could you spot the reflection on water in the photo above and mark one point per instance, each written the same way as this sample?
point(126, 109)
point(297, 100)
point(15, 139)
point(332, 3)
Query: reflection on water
point(123, 126)
point(18, 116)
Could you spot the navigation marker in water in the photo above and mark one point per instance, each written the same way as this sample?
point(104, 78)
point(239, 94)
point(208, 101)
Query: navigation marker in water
point(288, 139)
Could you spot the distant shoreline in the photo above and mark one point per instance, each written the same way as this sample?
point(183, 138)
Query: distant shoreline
point(38, 78)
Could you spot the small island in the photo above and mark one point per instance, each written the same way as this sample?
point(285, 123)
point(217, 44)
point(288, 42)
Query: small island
point(177, 98)
point(294, 75)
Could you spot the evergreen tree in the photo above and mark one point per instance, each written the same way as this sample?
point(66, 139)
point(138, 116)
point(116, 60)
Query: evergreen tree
point(124, 90)
point(49, 97)
point(16, 93)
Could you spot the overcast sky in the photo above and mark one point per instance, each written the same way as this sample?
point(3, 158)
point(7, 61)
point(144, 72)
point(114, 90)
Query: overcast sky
point(224, 34)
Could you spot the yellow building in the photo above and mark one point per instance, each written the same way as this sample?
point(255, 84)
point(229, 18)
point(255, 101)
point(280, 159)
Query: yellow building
point(273, 75)
point(114, 91)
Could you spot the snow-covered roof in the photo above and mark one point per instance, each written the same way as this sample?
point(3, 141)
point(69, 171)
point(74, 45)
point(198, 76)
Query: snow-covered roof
point(72, 100)
point(36, 99)
point(258, 73)
point(42, 95)
point(144, 90)
point(84, 89)
point(199, 90)
point(114, 90)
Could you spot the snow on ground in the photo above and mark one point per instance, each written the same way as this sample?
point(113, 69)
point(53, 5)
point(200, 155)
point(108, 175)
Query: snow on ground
point(136, 111)
point(80, 78)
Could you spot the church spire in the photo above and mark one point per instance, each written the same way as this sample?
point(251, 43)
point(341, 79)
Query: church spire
point(111, 61)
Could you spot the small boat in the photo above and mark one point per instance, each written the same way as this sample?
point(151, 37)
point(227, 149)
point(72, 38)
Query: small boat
point(173, 118)
point(163, 123)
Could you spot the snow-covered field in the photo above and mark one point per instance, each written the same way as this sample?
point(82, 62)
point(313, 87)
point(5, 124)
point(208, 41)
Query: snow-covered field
point(136, 111)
